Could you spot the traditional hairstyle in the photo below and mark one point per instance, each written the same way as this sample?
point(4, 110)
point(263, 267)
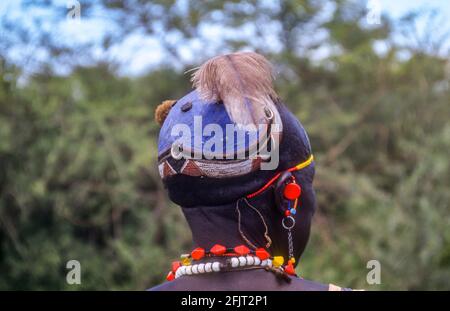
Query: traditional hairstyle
point(242, 82)
point(163, 110)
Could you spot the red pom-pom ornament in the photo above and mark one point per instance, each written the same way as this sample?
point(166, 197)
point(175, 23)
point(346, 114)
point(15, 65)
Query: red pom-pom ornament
point(292, 191)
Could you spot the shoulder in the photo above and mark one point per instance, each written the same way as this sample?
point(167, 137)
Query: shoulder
point(244, 281)
point(300, 284)
point(335, 288)
point(306, 285)
point(166, 286)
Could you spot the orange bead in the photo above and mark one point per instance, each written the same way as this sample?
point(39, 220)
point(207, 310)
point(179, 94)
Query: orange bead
point(289, 269)
point(170, 276)
point(262, 254)
point(175, 266)
point(218, 250)
point(292, 191)
point(198, 253)
point(241, 250)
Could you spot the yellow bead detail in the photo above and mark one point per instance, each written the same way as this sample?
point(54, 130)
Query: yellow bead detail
point(185, 261)
point(291, 260)
point(278, 261)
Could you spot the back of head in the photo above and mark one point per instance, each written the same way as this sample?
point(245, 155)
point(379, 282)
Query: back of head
point(240, 165)
point(230, 135)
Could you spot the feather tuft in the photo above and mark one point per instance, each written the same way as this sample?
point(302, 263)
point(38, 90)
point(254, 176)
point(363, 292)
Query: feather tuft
point(242, 81)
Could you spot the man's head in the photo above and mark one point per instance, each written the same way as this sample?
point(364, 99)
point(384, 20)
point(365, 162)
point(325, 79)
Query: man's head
point(230, 136)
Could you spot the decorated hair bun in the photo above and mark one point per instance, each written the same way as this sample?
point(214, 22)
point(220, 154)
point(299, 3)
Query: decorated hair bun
point(163, 110)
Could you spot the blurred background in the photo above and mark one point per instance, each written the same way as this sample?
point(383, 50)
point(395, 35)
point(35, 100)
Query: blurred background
point(79, 81)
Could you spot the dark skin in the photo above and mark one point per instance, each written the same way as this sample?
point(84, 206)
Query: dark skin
point(212, 225)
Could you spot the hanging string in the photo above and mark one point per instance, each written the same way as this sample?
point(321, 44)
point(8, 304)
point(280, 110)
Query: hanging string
point(266, 229)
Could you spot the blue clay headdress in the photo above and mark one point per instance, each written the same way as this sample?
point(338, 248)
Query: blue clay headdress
point(217, 141)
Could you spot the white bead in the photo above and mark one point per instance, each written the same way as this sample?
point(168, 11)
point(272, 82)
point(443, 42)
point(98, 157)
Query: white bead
point(179, 272)
point(182, 270)
point(250, 260)
point(201, 268)
point(269, 262)
point(195, 269)
point(257, 261)
point(234, 262)
point(208, 267)
point(242, 261)
point(264, 263)
point(216, 266)
point(188, 270)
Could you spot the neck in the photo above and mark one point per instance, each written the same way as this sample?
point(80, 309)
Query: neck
point(212, 225)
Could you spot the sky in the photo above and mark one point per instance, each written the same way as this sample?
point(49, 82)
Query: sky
point(134, 52)
point(396, 8)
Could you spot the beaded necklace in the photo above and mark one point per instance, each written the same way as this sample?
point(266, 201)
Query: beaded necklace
point(236, 259)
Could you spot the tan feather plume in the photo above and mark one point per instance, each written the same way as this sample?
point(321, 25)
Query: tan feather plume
point(242, 81)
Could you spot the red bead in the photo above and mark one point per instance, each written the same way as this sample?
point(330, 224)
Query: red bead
point(241, 250)
point(287, 213)
point(175, 266)
point(292, 191)
point(170, 276)
point(289, 269)
point(218, 250)
point(262, 253)
point(198, 253)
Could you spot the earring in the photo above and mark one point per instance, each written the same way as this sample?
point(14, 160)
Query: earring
point(291, 192)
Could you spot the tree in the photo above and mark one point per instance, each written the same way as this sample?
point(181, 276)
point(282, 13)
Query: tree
point(78, 175)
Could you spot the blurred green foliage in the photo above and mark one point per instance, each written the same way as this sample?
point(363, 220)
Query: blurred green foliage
point(78, 174)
